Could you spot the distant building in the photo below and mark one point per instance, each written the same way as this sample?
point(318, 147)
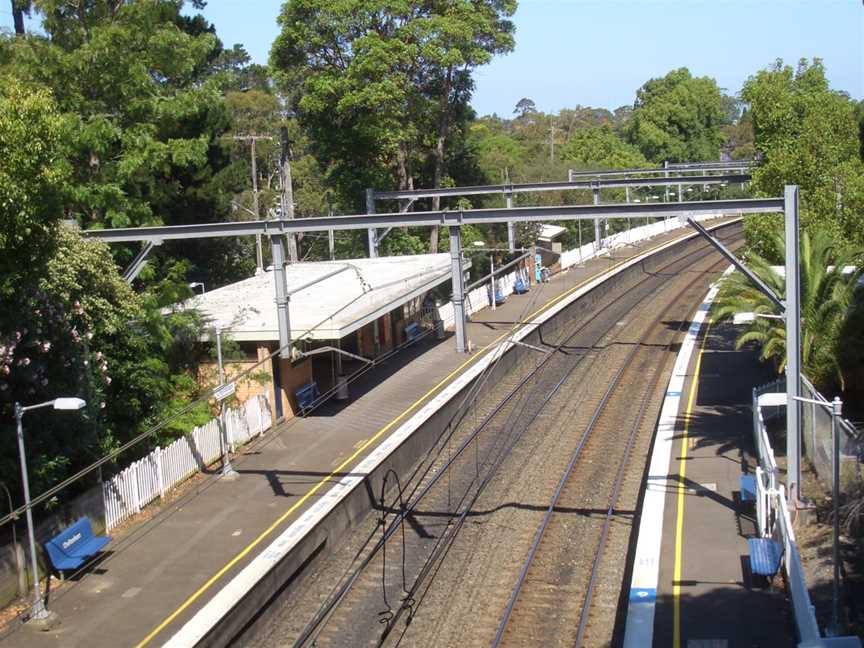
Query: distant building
point(361, 306)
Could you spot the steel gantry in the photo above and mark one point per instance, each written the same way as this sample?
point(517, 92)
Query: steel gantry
point(276, 230)
point(509, 190)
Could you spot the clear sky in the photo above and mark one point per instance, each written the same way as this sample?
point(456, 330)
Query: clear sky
point(598, 52)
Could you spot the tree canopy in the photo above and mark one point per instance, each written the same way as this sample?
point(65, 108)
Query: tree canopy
point(678, 118)
point(807, 134)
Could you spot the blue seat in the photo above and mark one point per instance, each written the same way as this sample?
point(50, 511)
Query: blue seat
point(413, 331)
point(747, 486)
point(74, 546)
point(765, 556)
point(307, 395)
point(519, 286)
point(499, 298)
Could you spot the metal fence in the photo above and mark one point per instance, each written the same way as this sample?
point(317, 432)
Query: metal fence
point(772, 508)
point(816, 434)
point(130, 490)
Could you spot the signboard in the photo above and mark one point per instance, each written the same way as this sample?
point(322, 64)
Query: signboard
point(225, 391)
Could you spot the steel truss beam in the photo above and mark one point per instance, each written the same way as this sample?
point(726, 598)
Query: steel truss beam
point(558, 186)
point(442, 218)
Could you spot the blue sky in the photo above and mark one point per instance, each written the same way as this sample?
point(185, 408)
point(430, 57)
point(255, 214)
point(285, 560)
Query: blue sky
point(597, 53)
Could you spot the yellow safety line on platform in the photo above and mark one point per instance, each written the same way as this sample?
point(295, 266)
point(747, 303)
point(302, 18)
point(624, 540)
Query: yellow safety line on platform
point(243, 553)
point(682, 489)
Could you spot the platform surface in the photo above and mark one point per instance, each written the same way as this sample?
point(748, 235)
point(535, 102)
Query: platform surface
point(159, 573)
point(720, 605)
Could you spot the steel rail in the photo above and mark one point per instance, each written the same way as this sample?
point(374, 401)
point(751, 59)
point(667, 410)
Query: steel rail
point(441, 218)
point(577, 452)
point(315, 625)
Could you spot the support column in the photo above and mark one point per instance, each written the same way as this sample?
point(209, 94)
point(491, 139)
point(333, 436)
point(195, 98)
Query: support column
point(332, 244)
point(458, 289)
point(372, 233)
point(597, 220)
point(666, 175)
point(511, 233)
point(278, 248)
point(793, 346)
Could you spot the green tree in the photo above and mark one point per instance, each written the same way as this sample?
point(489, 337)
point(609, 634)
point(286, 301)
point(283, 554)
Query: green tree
point(827, 305)
point(601, 148)
point(371, 81)
point(677, 118)
point(32, 179)
point(144, 115)
point(807, 135)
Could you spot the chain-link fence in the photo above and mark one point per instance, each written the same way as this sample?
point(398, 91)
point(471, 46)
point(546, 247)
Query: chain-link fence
point(816, 435)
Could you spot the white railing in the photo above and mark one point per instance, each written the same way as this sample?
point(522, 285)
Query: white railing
point(772, 512)
point(130, 490)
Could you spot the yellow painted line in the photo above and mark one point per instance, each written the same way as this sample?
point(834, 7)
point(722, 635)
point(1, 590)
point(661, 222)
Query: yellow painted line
point(682, 490)
point(326, 480)
point(359, 443)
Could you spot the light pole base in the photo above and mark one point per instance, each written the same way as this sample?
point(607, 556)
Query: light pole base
point(229, 474)
point(46, 621)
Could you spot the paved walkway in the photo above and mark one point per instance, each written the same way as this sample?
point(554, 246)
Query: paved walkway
point(719, 606)
point(161, 572)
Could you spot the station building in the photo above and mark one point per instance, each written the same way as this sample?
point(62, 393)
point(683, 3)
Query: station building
point(342, 315)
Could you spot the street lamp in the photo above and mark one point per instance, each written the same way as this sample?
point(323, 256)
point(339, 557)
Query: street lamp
point(39, 613)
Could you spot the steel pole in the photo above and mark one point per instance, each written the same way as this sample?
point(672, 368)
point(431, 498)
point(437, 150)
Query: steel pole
point(458, 289)
point(492, 276)
point(39, 611)
point(596, 193)
point(227, 469)
point(511, 233)
point(371, 233)
point(836, 411)
point(666, 175)
point(793, 346)
point(281, 281)
point(331, 241)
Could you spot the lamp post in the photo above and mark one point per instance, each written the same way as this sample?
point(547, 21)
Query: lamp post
point(38, 613)
point(228, 472)
point(482, 244)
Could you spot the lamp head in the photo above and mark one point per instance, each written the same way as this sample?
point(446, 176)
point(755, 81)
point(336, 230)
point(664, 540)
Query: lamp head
point(68, 403)
point(743, 318)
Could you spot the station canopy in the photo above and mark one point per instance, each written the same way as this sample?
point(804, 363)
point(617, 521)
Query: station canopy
point(328, 300)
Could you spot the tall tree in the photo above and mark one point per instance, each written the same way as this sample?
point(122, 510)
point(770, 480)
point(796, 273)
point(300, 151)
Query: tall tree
point(677, 118)
point(144, 115)
point(371, 79)
point(806, 134)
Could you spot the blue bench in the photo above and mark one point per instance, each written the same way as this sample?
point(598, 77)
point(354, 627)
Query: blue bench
point(307, 395)
point(519, 286)
point(765, 556)
point(74, 546)
point(747, 486)
point(499, 298)
point(413, 331)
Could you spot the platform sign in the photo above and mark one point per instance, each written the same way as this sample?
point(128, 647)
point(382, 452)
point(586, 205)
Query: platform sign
point(225, 391)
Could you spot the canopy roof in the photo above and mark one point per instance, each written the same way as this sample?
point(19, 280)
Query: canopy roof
point(327, 300)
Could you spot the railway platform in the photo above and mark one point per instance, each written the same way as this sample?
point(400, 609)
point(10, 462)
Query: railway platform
point(705, 593)
point(163, 570)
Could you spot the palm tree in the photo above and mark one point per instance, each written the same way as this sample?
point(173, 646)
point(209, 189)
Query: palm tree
point(827, 302)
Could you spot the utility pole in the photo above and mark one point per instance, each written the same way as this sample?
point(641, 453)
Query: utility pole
point(552, 142)
point(259, 254)
point(287, 196)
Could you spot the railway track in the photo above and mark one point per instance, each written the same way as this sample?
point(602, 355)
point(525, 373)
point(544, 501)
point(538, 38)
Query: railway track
point(377, 598)
point(619, 416)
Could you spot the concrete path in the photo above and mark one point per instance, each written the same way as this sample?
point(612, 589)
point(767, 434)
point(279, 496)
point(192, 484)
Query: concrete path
point(719, 606)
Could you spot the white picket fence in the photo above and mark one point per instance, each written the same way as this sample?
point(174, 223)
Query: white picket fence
point(152, 476)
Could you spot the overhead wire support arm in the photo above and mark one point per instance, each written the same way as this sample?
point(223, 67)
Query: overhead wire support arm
point(760, 285)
